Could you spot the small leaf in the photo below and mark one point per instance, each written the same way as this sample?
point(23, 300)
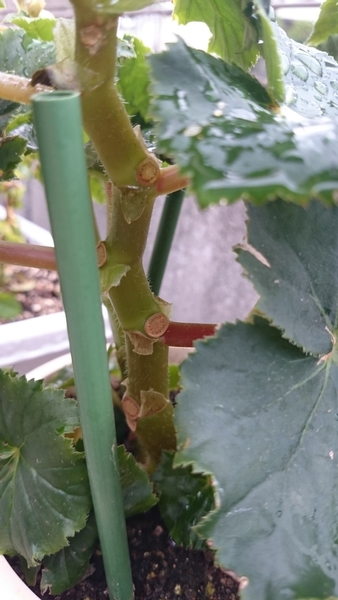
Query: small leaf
point(234, 33)
point(40, 28)
point(11, 151)
point(111, 275)
point(270, 52)
point(64, 35)
point(44, 491)
point(184, 499)
point(292, 259)
point(22, 126)
point(137, 490)
point(134, 201)
point(134, 79)
point(174, 378)
point(326, 24)
point(9, 306)
point(30, 573)
point(61, 571)
point(97, 187)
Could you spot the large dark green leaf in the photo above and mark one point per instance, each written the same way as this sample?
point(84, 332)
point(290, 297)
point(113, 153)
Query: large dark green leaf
point(261, 414)
point(234, 32)
point(326, 24)
point(217, 122)
point(63, 570)
point(295, 272)
point(262, 417)
point(184, 499)
point(44, 491)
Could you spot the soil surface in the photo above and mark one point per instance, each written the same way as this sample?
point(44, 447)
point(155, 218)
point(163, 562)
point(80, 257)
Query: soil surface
point(38, 290)
point(161, 570)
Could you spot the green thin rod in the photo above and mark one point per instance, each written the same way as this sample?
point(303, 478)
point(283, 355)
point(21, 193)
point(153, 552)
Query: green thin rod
point(164, 238)
point(59, 130)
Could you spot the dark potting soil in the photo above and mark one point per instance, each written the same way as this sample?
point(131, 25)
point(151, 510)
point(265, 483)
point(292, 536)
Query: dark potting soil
point(161, 570)
point(38, 291)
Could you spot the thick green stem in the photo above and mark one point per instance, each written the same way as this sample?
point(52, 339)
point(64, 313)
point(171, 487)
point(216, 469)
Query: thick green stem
point(145, 403)
point(149, 412)
point(105, 118)
point(130, 294)
point(134, 172)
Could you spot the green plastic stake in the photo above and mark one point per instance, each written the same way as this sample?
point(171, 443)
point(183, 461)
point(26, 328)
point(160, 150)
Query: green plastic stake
point(164, 238)
point(59, 130)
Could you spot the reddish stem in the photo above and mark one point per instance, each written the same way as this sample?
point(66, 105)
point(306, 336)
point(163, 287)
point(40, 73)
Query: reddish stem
point(43, 257)
point(184, 334)
point(170, 180)
point(27, 255)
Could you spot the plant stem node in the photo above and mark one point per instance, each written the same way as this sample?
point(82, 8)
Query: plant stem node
point(148, 172)
point(156, 325)
point(101, 252)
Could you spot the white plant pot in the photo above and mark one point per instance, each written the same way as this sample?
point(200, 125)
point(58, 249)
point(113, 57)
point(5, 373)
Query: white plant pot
point(36, 340)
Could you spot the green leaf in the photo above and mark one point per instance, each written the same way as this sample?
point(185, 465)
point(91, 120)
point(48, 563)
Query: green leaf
point(64, 35)
point(97, 187)
point(22, 126)
point(30, 573)
point(23, 55)
point(326, 24)
point(8, 110)
point(9, 306)
point(134, 79)
point(234, 33)
point(40, 28)
point(137, 490)
point(311, 78)
point(11, 151)
point(110, 276)
point(294, 270)
point(261, 416)
point(270, 52)
point(184, 499)
point(44, 491)
point(217, 122)
point(174, 378)
point(120, 6)
point(63, 570)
